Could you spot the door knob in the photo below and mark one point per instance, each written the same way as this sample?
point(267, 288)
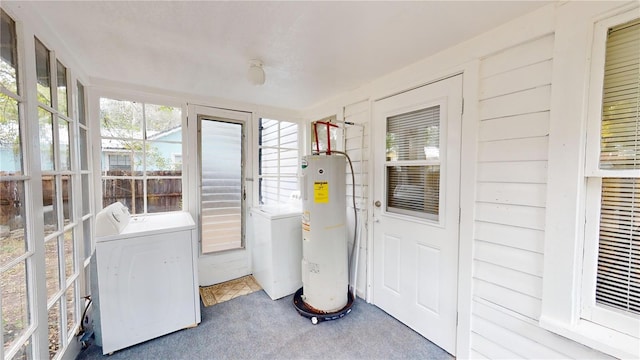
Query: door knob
point(377, 203)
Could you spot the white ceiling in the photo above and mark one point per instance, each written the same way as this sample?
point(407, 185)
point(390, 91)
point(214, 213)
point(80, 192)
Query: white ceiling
point(311, 50)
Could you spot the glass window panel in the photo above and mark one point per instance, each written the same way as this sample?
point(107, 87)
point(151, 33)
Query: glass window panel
point(164, 195)
point(120, 119)
point(69, 248)
point(67, 199)
point(122, 158)
point(10, 140)
point(82, 117)
point(163, 122)
point(160, 158)
point(86, 238)
point(413, 190)
point(71, 309)
point(52, 267)
point(63, 102)
point(15, 303)
point(12, 226)
point(323, 140)
point(84, 152)
point(65, 152)
point(25, 352)
point(127, 191)
point(8, 53)
point(54, 329)
point(43, 72)
point(414, 135)
point(46, 139)
point(86, 206)
point(50, 204)
point(620, 128)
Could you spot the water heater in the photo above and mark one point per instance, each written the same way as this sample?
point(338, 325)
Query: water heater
point(324, 246)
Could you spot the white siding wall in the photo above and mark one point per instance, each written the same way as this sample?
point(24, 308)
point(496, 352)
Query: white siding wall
point(514, 102)
point(508, 94)
point(357, 148)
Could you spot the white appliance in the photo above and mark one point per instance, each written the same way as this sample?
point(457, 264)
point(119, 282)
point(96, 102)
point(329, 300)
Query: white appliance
point(146, 272)
point(277, 250)
point(324, 247)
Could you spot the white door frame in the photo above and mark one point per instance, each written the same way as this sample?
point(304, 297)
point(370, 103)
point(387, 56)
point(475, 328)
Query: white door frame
point(470, 72)
point(226, 265)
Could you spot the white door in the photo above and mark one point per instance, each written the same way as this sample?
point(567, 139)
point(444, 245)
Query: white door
point(416, 213)
point(216, 163)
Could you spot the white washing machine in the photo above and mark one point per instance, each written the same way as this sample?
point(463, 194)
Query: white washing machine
point(146, 274)
point(277, 249)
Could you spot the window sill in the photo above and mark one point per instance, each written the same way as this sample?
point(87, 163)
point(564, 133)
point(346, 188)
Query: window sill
point(598, 337)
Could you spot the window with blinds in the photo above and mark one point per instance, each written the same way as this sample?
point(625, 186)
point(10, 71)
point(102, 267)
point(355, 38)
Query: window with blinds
point(278, 161)
point(412, 166)
point(618, 270)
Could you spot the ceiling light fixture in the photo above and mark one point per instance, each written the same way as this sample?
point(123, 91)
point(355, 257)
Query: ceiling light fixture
point(255, 75)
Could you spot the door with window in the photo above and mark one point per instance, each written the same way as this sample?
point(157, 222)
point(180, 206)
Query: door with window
point(416, 213)
point(217, 171)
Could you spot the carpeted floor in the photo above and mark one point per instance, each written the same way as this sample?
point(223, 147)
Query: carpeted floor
point(255, 327)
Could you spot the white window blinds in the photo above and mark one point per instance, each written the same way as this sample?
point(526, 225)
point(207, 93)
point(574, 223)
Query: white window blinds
point(618, 271)
point(413, 163)
point(620, 132)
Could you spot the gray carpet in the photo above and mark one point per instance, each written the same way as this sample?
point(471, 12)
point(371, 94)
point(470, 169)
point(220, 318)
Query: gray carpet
point(255, 327)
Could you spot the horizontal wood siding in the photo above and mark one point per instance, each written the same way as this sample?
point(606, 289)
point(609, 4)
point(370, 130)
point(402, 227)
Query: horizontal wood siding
point(514, 108)
point(358, 113)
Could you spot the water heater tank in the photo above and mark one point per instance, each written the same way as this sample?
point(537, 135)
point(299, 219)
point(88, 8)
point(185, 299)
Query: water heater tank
point(324, 245)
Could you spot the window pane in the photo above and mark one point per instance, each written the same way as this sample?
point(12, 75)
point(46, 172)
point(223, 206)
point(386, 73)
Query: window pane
point(71, 308)
point(12, 227)
point(122, 157)
point(54, 329)
point(414, 190)
point(69, 248)
point(414, 135)
point(163, 122)
point(25, 351)
point(62, 89)
point(618, 279)
point(127, 191)
point(278, 161)
point(10, 140)
point(160, 158)
point(43, 72)
point(86, 206)
point(620, 131)
point(67, 199)
point(84, 152)
point(164, 195)
point(65, 153)
point(46, 139)
point(120, 119)
point(15, 303)
point(52, 267)
point(86, 238)
point(8, 53)
point(82, 117)
point(50, 203)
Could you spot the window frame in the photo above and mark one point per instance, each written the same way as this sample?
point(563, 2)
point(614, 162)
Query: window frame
point(575, 116)
point(279, 148)
point(97, 138)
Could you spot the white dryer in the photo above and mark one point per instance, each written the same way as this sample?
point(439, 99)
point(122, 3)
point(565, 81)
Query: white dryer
point(146, 274)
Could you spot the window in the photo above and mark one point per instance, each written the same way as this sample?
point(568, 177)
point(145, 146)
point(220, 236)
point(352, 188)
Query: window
point(591, 260)
point(140, 144)
point(412, 167)
point(16, 240)
point(277, 161)
point(611, 294)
